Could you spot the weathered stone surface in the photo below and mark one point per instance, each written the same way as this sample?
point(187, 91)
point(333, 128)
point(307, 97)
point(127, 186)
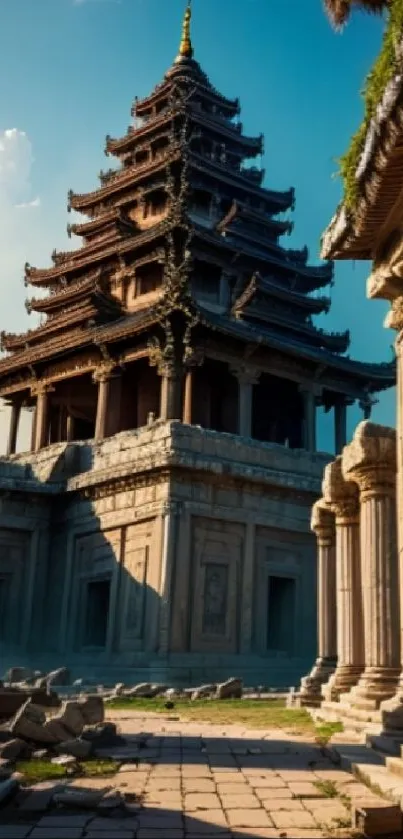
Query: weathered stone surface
point(64, 760)
point(203, 691)
point(78, 748)
point(144, 689)
point(58, 731)
point(231, 689)
point(19, 674)
point(92, 709)
point(13, 749)
point(8, 789)
point(85, 799)
point(61, 676)
point(28, 724)
point(72, 716)
point(103, 734)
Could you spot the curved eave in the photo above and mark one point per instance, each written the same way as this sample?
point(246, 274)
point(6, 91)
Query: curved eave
point(321, 272)
point(314, 305)
point(142, 106)
point(375, 377)
point(50, 276)
point(95, 225)
point(79, 339)
point(279, 201)
point(90, 308)
point(353, 234)
point(251, 144)
point(125, 180)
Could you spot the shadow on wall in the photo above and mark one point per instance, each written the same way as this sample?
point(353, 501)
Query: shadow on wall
point(68, 590)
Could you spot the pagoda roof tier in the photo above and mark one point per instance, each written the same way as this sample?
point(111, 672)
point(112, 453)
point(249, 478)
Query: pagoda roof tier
point(97, 224)
point(124, 179)
point(316, 276)
point(241, 212)
point(371, 377)
point(233, 224)
point(374, 188)
point(248, 146)
point(278, 201)
point(94, 307)
point(191, 69)
point(83, 258)
point(374, 376)
point(68, 294)
point(264, 288)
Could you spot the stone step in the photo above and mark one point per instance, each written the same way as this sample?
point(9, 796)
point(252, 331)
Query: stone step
point(395, 766)
point(387, 744)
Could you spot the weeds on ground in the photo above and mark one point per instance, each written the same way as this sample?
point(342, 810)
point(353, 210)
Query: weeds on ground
point(35, 771)
point(327, 788)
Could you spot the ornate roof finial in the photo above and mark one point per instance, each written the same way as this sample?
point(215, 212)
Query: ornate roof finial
point(186, 49)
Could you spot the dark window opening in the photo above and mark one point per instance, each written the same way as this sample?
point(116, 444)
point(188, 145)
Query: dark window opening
point(280, 614)
point(148, 278)
point(141, 157)
point(97, 613)
point(206, 282)
point(83, 429)
point(201, 202)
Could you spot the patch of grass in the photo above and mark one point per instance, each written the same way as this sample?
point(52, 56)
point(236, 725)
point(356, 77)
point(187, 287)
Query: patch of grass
point(385, 68)
point(325, 731)
point(327, 788)
point(35, 771)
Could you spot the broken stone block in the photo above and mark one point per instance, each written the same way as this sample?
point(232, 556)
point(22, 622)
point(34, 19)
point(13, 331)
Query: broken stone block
point(13, 749)
point(72, 717)
point(59, 677)
point(377, 819)
point(103, 734)
point(111, 800)
point(57, 729)
point(28, 724)
point(231, 689)
point(39, 754)
point(5, 768)
point(144, 689)
point(79, 749)
point(92, 709)
point(45, 698)
point(203, 691)
point(119, 688)
point(19, 674)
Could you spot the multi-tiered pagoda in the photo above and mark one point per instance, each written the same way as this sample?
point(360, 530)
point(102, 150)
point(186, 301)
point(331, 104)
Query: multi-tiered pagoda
point(181, 302)
point(164, 548)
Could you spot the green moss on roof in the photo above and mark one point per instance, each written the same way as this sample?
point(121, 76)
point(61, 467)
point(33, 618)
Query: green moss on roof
point(385, 67)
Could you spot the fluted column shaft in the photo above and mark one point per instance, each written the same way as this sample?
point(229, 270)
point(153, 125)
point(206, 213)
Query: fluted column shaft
point(342, 499)
point(322, 523)
point(370, 462)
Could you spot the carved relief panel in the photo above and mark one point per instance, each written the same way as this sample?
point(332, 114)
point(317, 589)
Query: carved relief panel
point(217, 559)
point(135, 590)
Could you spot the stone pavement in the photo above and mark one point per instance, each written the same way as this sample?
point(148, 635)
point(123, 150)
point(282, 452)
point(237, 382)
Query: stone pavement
point(194, 780)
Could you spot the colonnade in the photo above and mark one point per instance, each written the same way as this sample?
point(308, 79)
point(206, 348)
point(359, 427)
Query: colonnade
point(360, 595)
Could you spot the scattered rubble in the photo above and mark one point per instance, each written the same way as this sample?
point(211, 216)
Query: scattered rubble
point(231, 689)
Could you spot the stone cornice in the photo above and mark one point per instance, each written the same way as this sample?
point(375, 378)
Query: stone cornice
point(338, 494)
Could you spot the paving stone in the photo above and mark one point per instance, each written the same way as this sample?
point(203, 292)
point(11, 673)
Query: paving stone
point(198, 785)
point(228, 777)
point(64, 820)
point(267, 794)
point(268, 781)
point(111, 834)
point(201, 801)
point(62, 833)
point(304, 790)
point(242, 802)
point(248, 818)
point(211, 819)
point(15, 831)
point(109, 824)
point(292, 819)
point(264, 832)
point(273, 804)
point(233, 789)
point(152, 833)
point(39, 798)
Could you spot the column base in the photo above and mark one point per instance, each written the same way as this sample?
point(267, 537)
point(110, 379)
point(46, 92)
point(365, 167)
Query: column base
point(310, 692)
point(341, 681)
point(392, 711)
point(375, 685)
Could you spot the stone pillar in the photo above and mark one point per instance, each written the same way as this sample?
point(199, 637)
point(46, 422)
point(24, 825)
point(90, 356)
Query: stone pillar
point(340, 426)
point(13, 431)
point(247, 378)
point(42, 392)
point(309, 396)
point(323, 525)
point(69, 427)
point(370, 462)
point(107, 422)
point(188, 397)
point(342, 498)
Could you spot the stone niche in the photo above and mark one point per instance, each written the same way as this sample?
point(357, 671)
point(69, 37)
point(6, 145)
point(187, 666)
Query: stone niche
point(216, 574)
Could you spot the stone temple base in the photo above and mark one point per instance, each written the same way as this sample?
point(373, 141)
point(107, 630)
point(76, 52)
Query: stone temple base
point(373, 688)
point(169, 553)
point(342, 680)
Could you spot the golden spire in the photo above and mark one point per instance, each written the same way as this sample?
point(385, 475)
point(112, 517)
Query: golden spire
point(186, 49)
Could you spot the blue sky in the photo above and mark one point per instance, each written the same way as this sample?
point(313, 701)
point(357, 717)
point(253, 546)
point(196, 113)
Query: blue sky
point(69, 70)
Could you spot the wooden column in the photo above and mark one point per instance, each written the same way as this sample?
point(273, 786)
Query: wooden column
point(309, 396)
point(69, 427)
point(42, 392)
point(13, 430)
point(188, 397)
point(102, 377)
point(170, 401)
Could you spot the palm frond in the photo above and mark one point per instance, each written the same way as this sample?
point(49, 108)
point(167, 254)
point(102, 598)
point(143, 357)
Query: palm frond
point(339, 10)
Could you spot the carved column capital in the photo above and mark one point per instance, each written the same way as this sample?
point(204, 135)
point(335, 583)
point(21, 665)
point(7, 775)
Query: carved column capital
point(245, 373)
point(340, 496)
point(41, 388)
point(104, 372)
point(370, 460)
point(194, 357)
point(323, 523)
